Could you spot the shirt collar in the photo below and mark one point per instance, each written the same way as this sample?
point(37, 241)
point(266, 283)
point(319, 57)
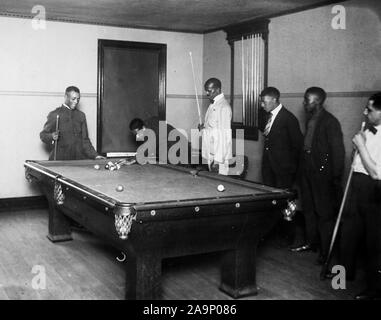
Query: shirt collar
point(276, 110)
point(218, 97)
point(65, 105)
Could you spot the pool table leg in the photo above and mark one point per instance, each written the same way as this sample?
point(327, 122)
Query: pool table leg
point(143, 276)
point(238, 273)
point(59, 225)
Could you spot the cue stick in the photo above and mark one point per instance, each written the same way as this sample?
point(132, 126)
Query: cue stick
point(255, 83)
point(253, 73)
point(258, 74)
point(250, 76)
point(243, 84)
point(260, 65)
point(248, 84)
point(252, 80)
point(195, 88)
point(327, 260)
point(56, 141)
point(256, 71)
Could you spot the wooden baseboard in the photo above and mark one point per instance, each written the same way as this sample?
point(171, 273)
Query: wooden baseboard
point(23, 203)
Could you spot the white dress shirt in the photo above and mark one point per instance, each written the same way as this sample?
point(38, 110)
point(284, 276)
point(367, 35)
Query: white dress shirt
point(373, 144)
point(211, 117)
point(274, 114)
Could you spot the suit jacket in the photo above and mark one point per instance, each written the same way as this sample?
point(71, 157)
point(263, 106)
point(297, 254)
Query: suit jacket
point(327, 148)
point(283, 145)
point(73, 142)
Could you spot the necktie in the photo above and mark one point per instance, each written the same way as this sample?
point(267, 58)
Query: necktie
point(371, 128)
point(211, 101)
point(267, 128)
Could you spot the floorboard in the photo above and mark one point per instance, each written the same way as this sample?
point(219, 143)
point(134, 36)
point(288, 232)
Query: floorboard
point(86, 268)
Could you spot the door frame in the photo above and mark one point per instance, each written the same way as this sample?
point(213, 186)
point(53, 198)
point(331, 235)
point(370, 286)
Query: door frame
point(160, 48)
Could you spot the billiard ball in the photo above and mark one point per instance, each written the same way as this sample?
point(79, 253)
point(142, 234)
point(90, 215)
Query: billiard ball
point(109, 165)
point(97, 167)
point(220, 188)
point(119, 188)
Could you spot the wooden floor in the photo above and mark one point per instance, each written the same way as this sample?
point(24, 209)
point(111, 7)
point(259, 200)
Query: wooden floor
point(86, 268)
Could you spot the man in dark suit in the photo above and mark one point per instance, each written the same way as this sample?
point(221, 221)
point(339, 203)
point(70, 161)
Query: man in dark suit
point(283, 143)
point(322, 167)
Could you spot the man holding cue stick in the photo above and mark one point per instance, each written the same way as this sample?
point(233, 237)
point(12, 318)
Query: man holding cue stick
point(216, 132)
point(71, 140)
point(362, 219)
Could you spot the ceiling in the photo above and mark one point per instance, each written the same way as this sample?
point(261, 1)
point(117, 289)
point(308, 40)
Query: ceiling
point(198, 16)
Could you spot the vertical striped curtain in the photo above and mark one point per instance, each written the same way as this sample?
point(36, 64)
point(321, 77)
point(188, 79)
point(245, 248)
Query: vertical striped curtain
point(252, 58)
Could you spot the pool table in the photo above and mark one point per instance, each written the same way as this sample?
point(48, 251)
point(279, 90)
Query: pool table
point(163, 211)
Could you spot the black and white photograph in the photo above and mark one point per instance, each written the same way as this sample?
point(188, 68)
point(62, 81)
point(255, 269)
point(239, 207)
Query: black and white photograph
point(209, 152)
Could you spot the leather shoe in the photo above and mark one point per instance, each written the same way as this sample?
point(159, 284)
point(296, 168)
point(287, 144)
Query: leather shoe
point(368, 295)
point(304, 248)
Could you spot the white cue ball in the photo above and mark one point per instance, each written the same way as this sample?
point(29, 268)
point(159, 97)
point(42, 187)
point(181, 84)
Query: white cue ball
point(220, 188)
point(119, 188)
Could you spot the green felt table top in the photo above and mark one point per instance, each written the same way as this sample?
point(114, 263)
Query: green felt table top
point(150, 183)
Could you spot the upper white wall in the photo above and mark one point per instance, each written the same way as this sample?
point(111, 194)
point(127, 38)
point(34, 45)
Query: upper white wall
point(304, 49)
point(47, 60)
point(37, 66)
point(217, 59)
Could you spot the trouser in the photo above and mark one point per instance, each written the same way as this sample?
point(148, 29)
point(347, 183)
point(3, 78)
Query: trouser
point(362, 221)
point(285, 229)
point(319, 207)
